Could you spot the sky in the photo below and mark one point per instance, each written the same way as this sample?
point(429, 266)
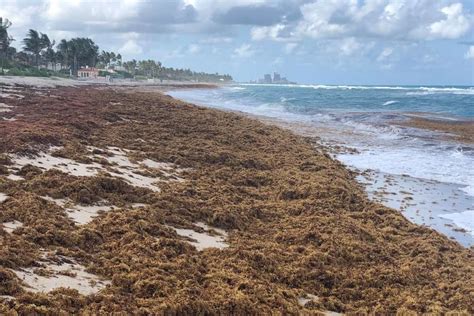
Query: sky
point(411, 42)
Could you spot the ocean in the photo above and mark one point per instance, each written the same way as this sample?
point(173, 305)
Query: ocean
point(426, 176)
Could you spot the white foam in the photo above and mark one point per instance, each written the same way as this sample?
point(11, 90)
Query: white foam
point(450, 166)
point(390, 102)
point(9, 227)
point(463, 220)
point(204, 240)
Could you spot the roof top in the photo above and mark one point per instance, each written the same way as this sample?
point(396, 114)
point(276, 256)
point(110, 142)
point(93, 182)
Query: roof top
point(88, 69)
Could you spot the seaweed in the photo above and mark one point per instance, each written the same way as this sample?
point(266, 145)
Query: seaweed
point(298, 224)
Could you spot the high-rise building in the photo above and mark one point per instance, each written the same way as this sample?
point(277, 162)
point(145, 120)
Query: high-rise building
point(267, 78)
point(276, 77)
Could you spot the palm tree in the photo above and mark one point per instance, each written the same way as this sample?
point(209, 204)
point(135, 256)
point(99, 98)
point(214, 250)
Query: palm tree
point(5, 39)
point(35, 42)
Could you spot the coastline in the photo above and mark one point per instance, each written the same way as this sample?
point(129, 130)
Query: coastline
point(297, 224)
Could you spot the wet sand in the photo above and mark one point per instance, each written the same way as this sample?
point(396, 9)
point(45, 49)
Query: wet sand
point(247, 218)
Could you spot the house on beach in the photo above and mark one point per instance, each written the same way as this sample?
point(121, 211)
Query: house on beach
point(88, 72)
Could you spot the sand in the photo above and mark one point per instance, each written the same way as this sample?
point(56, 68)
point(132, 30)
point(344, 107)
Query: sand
point(10, 227)
point(205, 240)
point(293, 220)
point(62, 273)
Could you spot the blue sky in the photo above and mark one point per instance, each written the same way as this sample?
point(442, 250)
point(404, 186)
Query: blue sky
point(309, 41)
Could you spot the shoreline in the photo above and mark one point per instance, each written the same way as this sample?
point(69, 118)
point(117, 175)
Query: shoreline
point(291, 224)
point(462, 131)
point(388, 186)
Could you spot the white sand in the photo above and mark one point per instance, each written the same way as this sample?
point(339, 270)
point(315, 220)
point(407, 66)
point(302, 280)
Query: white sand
point(302, 301)
point(79, 213)
point(14, 177)
point(9, 227)
point(84, 282)
point(3, 197)
point(46, 162)
point(156, 165)
point(204, 240)
point(85, 214)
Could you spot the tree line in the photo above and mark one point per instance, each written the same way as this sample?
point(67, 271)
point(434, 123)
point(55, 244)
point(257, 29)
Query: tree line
point(39, 51)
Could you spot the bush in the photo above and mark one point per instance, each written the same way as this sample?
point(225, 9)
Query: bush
point(29, 72)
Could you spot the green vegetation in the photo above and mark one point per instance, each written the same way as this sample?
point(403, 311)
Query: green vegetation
point(42, 57)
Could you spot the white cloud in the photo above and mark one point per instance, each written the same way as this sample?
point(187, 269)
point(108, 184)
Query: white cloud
point(130, 48)
point(454, 25)
point(470, 53)
point(194, 49)
point(273, 32)
point(244, 51)
point(386, 53)
point(349, 46)
point(217, 40)
point(387, 19)
point(290, 47)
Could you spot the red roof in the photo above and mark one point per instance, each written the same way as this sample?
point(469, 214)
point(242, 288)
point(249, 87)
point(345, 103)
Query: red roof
point(92, 69)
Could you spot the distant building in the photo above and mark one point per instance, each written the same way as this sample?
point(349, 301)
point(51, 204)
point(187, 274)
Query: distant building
point(276, 77)
point(267, 78)
point(88, 72)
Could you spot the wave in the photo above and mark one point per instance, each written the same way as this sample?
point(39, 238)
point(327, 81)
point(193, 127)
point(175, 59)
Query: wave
point(415, 89)
point(390, 102)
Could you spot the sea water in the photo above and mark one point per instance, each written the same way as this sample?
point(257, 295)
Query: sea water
point(422, 173)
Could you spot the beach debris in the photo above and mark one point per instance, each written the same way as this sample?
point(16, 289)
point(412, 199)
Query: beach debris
point(60, 272)
point(211, 238)
point(9, 227)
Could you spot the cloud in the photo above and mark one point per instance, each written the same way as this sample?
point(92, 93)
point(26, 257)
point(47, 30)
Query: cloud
point(274, 32)
point(385, 19)
point(262, 15)
point(130, 48)
point(349, 46)
point(290, 47)
point(244, 51)
point(454, 25)
point(217, 40)
point(385, 54)
point(194, 49)
point(470, 53)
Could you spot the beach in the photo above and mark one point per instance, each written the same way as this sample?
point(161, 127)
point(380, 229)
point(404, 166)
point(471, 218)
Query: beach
point(142, 203)
point(409, 145)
